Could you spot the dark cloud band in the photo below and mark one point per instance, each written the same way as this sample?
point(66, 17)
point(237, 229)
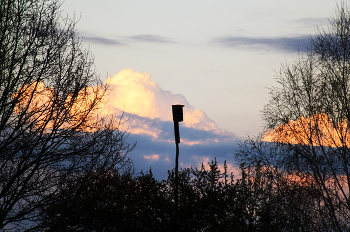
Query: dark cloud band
point(136, 38)
point(100, 40)
point(150, 38)
point(291, 44)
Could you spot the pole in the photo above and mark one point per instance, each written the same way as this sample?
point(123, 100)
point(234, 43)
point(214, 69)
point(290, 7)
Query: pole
point(176, 192)
point(177, 117)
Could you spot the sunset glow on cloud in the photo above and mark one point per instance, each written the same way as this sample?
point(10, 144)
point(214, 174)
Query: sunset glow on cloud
point(318, 130)
point(136, 93)
point(40, 101)
point(146, 106)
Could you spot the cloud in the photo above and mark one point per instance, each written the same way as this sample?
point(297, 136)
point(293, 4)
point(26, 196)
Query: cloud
point(291, 44)
point(124, 40)
point(148, 110)
point(312, 22)
point(150, 38)
point(317, 130)
point(162, 131)
point(153, 157)
point(101, 40)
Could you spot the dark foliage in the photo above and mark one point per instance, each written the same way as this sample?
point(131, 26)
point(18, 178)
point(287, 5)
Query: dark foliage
point(107, 201)
point(49, 101)
point(209, 200)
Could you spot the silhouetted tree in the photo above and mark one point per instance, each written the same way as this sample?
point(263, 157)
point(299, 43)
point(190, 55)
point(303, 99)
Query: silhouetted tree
point(260, 200)
point(49, 105)
point(211, 200)
point(123, 202)
point(275, 200)
point(308, 122)
point(108, 202)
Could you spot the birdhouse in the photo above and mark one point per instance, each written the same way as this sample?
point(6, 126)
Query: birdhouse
point(177, 113)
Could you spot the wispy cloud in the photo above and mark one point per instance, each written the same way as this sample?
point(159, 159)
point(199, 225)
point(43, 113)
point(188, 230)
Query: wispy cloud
point(291, 44)
point(153, 157)
point(124, 40)
point(312, 22)
point(150, 39)
point(101, 40)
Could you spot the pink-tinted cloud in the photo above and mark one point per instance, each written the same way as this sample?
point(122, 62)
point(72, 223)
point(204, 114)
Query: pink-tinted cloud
point(153, 157)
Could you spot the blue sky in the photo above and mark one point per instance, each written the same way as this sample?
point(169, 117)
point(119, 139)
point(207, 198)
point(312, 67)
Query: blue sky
point(218, 57)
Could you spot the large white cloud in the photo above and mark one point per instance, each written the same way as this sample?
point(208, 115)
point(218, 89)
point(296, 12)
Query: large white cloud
point(145, 103)
point(148, 110)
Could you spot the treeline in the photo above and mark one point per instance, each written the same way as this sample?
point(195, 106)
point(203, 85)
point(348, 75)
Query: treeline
point(209, 200)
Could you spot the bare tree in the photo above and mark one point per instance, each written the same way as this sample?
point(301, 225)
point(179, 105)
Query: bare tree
point(50, 95)
point(307, 121)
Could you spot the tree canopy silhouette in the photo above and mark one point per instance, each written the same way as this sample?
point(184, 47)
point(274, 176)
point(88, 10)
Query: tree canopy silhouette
point(50, 123)
point(210, 199)
point(307, 126)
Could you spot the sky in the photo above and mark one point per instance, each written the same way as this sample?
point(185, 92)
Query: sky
point(218, 58)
